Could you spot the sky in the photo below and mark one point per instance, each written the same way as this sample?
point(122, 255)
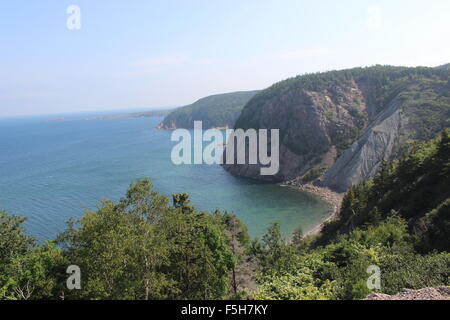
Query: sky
point(148, 54)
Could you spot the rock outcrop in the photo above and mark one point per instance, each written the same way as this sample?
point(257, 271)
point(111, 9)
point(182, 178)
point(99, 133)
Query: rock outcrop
point(438, 293)
point(311, 123)
point(363, 159)
point(337, 128)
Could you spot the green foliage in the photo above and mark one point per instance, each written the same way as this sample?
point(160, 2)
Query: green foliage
point(13, 241)
point(297, 285)
point(181, 201)
point(444, 66)
point(235, 227)
point(360, 290)
point(201, 259)
point(238, 239)
point(395, 221)
point(143, 249)
point(138, 248)
point(215, 111)
point(340, 270)
point(414, 271)
point(415, 187)
point(26, 271)
point(297, 236)
point(34, 275)
point(284, 274)
point(272, 253)
point(434, 228)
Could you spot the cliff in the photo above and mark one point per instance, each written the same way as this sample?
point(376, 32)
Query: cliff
point(220, 110)
point(337, 127)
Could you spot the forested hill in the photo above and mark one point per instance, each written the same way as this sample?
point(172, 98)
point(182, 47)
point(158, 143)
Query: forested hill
point(416, 188)
point(445, 66)
point(341, 125)
point(397, 223)
point(220, 110)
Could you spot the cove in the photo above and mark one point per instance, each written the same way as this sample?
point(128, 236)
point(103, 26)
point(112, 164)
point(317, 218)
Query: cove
point(53, 171)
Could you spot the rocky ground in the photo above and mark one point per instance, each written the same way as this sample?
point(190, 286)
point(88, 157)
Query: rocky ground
point(438, 293)
point(332, 198)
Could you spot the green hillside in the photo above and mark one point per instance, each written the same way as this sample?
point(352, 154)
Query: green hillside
point(416, 188)
point(445, 66)
point(220, 110)
point(397, 223)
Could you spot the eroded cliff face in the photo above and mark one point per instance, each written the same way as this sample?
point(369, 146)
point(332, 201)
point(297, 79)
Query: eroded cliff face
point(337, 132)
point(363, 159)
point(314, 126)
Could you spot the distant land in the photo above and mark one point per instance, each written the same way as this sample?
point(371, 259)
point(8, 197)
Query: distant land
point(143, 114)
point(216, 111)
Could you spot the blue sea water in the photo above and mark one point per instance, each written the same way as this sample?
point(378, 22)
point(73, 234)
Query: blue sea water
point(52, 171)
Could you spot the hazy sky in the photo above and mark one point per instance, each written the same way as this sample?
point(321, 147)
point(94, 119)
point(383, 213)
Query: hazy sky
point(143, 53)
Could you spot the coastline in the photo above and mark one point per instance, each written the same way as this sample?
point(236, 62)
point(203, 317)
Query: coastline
point(333, 199)
point(173, 126)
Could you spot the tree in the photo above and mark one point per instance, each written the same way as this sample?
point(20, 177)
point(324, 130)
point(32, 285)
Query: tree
point(297, 236)
point(13, 240)
point(119, 247)
point(273, 253)
point(141, 248)
point(26, 270)
point(36, 275)
point(443, 155)
point(182, 202)
point(242, 272)
point(200, 259)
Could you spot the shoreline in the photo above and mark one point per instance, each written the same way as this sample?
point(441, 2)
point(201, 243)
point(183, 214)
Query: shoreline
point(333, 199)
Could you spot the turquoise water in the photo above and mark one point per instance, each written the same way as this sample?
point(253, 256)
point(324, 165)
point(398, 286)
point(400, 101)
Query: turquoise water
point(51, 171)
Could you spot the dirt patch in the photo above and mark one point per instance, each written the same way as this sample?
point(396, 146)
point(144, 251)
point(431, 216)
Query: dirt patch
point(438, 293)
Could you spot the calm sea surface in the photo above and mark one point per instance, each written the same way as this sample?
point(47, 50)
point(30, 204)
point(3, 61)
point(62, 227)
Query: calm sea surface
point(51, 171)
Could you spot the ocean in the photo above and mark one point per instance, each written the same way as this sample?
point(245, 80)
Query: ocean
point(53, 171)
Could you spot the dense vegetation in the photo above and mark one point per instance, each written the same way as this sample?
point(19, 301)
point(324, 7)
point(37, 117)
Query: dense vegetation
point(445, 66)
point(398, 221)
point(415, 188)
point(139, 248)
point(215, 111)
point(339, 269)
